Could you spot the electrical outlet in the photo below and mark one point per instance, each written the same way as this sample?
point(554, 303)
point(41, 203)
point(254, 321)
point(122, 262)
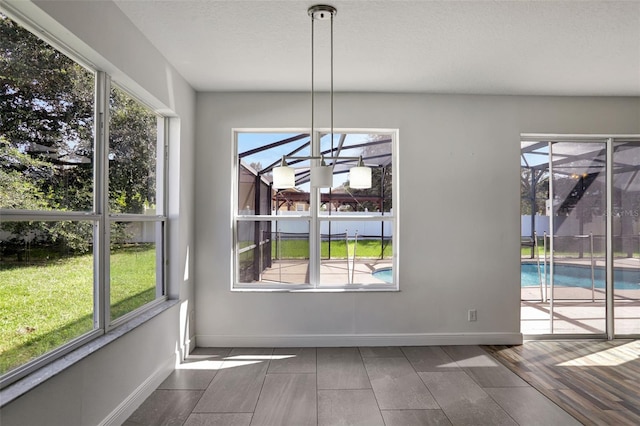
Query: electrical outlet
point(472, 315)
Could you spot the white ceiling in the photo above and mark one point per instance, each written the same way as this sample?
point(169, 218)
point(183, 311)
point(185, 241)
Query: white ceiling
point(485, 47)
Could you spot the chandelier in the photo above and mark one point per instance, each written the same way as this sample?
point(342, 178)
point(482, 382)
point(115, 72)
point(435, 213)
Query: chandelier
point(284, 176)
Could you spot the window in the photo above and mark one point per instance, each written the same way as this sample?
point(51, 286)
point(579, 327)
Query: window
point(82, 217)
point(337, 238)
point(136, 219)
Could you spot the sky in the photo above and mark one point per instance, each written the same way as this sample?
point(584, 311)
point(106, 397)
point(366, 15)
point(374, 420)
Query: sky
point(250, 140)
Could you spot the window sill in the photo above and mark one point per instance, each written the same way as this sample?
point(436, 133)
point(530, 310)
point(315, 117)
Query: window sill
point(27, 383)
point(315, 290)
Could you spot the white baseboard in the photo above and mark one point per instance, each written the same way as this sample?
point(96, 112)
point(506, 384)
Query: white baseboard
point(191, 344)
point(137, 397)
point(323, 340)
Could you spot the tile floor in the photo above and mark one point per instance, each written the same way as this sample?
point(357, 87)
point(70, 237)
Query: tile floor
point(434, 385)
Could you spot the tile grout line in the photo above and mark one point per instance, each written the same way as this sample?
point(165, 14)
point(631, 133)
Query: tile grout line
point(371, 384)
point(425, 385)
point(266, 371)
point(202, 391)
point(487, 393)
point(532, 385)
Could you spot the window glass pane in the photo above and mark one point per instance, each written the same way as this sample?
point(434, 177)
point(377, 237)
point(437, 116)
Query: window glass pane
point(258, 154)
point(260, 252)
point(273, 252)
point(291, 202)
point(356, 252)
point(46, 287)
point(578, 191)
point(46, 126)
point(626, 238)
point(376, 153)
point(254, 193)
point(132, 155)
point(133, 265)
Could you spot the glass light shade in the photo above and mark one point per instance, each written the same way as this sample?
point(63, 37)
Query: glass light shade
point(284, 177)
point(322, 177)
point(360, 177)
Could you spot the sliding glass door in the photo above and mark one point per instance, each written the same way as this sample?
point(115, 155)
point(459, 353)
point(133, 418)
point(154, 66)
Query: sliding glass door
point(577, 261)
point(580, 254)
point(626, 238)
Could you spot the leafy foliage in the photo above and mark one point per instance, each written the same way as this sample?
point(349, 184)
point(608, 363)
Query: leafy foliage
point(132, 155)
point(18, 192)
point(47, 143)
point(46, 111)
point(538, 182)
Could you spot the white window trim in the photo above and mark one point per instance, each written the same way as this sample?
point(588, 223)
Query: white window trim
point(314, 217)
point(102, 220)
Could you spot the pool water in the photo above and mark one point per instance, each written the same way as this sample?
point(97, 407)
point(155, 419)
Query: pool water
point(579, 276)
point(565, 275)
point(384, 274)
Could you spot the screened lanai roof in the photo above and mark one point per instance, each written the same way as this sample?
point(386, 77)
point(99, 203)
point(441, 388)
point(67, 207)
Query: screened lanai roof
point(264, 151)
point(586, 156)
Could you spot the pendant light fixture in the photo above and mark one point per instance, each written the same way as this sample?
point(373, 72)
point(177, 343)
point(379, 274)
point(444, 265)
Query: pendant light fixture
point(321, 174)
point(360, 176)
point(284, 176)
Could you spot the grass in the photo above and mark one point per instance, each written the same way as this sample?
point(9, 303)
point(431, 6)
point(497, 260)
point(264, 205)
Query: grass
point(43, 306)
point(571, 251)
point(525, 252)
point(133, 278)
point(299, 249)
point(365, 249)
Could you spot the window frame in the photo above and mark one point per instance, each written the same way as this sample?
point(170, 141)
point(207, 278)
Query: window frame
point(314, 217)
point(99, 214)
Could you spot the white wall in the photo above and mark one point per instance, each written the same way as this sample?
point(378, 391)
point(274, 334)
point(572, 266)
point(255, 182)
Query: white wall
point(458, 160)
point(90, 391)
point(98, 387)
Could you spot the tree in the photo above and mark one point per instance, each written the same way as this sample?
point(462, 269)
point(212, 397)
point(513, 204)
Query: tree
point(47, 141)
point(132, 154)
point(46, 106)
point(541, 183)
point(18, 192)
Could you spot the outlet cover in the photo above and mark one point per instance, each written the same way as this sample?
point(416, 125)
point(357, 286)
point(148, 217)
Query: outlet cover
point(473, 315)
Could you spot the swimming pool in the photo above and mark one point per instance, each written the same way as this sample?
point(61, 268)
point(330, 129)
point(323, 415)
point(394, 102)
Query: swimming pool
point(384, 274)
point(579, 276)
point(564, 275)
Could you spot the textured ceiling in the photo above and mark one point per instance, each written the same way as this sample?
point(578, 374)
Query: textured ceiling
point(484, 47)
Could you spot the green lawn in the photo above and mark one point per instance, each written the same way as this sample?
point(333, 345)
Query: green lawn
point(133, 278)
point(45, 305)
point(526, 252)
point(365, 249)
point(299, 249)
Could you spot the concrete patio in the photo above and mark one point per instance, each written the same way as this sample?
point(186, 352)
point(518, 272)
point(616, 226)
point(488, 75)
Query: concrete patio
point(332, 272)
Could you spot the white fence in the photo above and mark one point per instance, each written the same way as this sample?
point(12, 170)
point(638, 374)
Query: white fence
point(351, 227)
point(571, 225)
point(541, 225)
